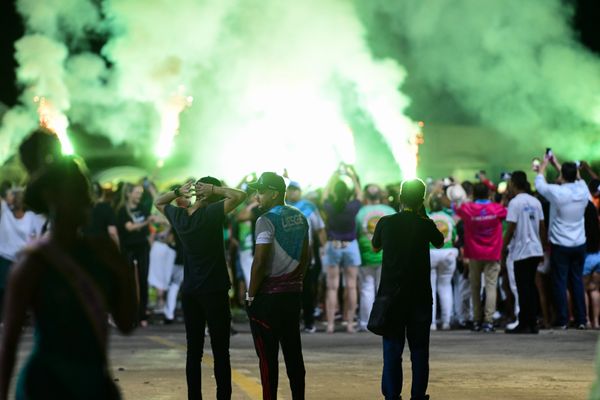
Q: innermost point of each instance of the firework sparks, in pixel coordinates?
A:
(169, 124)
(55, 121)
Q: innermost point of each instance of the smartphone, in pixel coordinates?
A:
(548, 152)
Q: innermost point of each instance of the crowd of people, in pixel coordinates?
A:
(515, 256)
(513, 253)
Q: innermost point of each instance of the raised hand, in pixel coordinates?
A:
(188, 189)
(204, 190)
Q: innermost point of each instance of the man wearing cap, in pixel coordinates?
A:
(316, 229)
(274, 297)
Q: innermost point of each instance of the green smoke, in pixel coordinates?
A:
(303, 85)
(271, 82)
(513, 66)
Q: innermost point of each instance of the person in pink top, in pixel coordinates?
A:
(482, 221)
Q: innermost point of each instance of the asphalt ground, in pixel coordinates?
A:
(150, 364)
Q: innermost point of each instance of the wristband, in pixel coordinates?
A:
(177, 192)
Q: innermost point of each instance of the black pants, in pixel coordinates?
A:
(309, 291)
(5, 266)
(414, 324)
(139, 258)
(199, 310)
(525, 271)
(274, 321)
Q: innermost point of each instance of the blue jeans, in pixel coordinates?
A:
(416, 330)
(567, 263)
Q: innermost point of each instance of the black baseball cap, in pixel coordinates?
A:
(269, 180)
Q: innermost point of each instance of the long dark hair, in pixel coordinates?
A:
(56, 181)
(341, 196)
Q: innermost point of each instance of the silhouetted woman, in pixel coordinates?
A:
(70, 284)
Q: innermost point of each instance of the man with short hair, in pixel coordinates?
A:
(404, 238)
(567, 237)
(316, 229)
(205, 287)
(523, 239)
(370, 270)
(274, 297)
(482, 221)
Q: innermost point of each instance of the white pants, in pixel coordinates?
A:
(443, 265)
(162, 258)
(463, 309)
(510, 268)
(246, 259)
(173, 290)
(369, 276)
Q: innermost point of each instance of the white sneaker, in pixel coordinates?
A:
(433, 327)
(512, 325)
(445, 327)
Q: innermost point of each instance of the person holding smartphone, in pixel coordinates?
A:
(568, 201)
(341, 252)
(404, 238)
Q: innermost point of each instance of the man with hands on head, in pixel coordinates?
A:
(205, 280)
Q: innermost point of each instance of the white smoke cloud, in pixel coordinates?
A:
(16, 123)
(41, 72)
(60, 19)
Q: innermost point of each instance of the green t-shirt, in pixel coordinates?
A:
(245, 235)
(366, 221)
(445, 224)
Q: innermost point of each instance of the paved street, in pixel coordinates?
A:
(464, 365)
